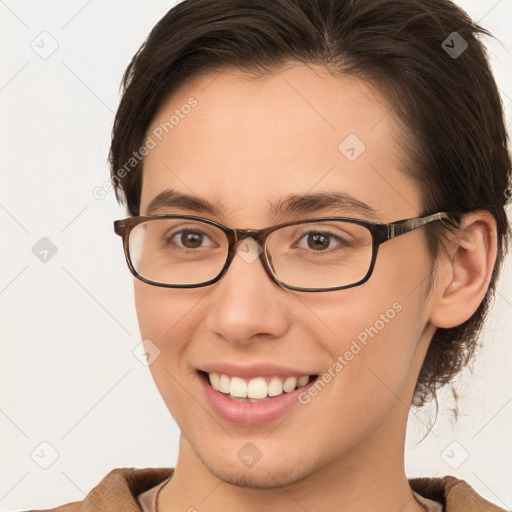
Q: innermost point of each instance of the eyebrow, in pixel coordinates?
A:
(293, 204)
(170, 198)
(341, 202)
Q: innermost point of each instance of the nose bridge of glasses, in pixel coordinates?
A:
(242, 234)
(250, 253)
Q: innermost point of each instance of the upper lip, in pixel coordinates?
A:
(254, 370)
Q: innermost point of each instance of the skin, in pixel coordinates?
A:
(248, 142)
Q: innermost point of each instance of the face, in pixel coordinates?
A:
(245, 145)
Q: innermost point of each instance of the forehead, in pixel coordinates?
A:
(247, 142)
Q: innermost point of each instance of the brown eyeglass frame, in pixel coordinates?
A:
(380, 233)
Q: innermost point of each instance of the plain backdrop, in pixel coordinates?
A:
(75, 401)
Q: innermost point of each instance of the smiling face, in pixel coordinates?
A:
(247, 147)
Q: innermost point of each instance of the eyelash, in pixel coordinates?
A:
(340, 241)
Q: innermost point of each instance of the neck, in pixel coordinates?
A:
(370, 476)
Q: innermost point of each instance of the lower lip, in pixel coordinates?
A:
(250, 414)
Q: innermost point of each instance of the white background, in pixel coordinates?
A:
(68, 375)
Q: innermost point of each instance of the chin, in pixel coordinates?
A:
(263, 475)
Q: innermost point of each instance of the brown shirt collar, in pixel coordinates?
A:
(119, 489)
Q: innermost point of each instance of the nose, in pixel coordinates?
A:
(246, 303)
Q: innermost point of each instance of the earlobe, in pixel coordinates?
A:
(465, 270)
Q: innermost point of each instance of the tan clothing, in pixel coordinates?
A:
(148, 499)
(121, 489)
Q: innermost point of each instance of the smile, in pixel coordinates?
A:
(256, 389)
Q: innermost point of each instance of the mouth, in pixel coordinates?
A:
(257, 389)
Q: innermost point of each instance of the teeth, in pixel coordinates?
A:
(238, 387)
(214, 380)
(275, 387)
(302, 381)
(290, 384)
(224, 383)
(255, 389)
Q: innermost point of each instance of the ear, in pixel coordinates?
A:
(465, 270)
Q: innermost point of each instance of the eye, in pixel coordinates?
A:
(321, 240)
(188, 239)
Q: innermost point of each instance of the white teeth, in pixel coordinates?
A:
(302, 381)
(290, 384)
(224, 383)
(214, 380)
(275, 387)
(238, 387)
(257, 388)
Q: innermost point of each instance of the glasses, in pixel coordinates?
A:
(311, 255)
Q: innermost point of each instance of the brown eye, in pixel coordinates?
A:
(191, 239)
(318, 241)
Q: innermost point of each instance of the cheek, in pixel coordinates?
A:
(162, 312)
(368, 365)
(150, 305)
(367, 331)
(374, 332)
(169, 318)
(159, 311)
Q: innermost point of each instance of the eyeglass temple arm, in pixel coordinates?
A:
(118, 228)
(405, 226)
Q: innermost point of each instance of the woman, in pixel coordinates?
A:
(316, 191)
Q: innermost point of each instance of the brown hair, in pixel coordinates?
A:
(448, 103)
